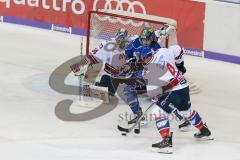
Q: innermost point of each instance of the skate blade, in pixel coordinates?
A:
(205, 138)
(185, 129)
(167, 150)
(143, 123)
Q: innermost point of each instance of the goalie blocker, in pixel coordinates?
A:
(91, 90)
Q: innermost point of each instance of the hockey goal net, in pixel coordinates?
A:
(103, 25)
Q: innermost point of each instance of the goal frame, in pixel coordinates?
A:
(125, 15)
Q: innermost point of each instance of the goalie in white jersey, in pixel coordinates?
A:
(168, 87)
(111, 55)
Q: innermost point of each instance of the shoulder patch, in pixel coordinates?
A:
(136, 43)
(101, 46)
(110, 46)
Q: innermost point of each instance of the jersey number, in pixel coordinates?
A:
(171, 69)
(95, 51)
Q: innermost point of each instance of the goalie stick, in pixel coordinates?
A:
(81, 77)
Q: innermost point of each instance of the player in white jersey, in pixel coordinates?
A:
(167, 85)
(111, 55)
(169, 33)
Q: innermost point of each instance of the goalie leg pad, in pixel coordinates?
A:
(106, 81)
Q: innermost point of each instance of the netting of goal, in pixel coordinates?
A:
(103, 25)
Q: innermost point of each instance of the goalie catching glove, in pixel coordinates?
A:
(165, 30)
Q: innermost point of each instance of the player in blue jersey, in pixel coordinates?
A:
(143, 44)
(138, 49)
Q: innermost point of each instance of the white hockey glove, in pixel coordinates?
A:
(79, 70)
(165, 30)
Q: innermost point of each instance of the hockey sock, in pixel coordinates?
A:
(134, 106)
(132, 100)
(176, 113)
(163, 126)
(195, 119)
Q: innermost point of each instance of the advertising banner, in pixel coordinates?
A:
(73, 13)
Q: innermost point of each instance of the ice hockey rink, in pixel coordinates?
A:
(30, 130)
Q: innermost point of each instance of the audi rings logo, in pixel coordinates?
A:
(119, 5)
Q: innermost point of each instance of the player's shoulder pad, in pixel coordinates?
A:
(176, 50)
(155, 45)
(102, 44)
(175, 47)
(161, 51)
(157, 33)
(133, 43)
(136, 43)
(132, 38)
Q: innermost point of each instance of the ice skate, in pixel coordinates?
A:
(204, 134)
(165, 146)
(135, 119)
(185, 126)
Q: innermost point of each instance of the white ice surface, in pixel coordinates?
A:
(29, 129)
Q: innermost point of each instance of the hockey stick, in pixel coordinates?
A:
(81, 77)
(137, 130)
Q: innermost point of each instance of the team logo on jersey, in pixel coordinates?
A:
(95, 50)
(183, 81)
(101, 46)
(161, 63)
(110, 46)
(121, 56)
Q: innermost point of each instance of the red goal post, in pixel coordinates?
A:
(103, 25)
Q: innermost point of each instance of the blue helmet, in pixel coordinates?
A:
(121, 34)
(121, 38)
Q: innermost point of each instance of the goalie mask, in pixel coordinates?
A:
(147, 36)
(121, 37)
